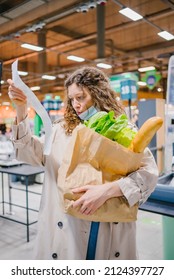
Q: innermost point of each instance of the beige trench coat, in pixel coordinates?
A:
(61, 236)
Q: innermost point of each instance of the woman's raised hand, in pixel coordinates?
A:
(16, 95)
(19, 99)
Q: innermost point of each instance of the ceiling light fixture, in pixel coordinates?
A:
(35, 27)
(48, 77)
(32, 47)
(61, 76)
(92, 4)
(140, 83)
(75, 58)
(166, 35)
(35, 88)
(22, 73)
(159, 89)
(5, 103)
(101, 2)
(130, 14)
(104, 65)
(145, 69)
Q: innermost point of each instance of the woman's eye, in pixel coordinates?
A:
(80, 98)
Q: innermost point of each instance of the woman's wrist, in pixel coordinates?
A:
(21, 112)
(113, 190)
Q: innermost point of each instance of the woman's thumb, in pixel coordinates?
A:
(10, 82)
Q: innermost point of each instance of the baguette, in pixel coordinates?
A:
(145, 134)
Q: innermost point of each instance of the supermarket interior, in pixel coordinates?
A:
(41, 44)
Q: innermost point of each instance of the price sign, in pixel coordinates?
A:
(128, 89)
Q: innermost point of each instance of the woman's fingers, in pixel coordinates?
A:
(17, 98)
(10, 82)
(80, 189)
(15, 94)
(90, 200)
(82, 206)
(87, 211)
(18, 102)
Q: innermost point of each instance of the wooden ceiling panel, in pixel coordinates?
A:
(144, 7)
(127, 43)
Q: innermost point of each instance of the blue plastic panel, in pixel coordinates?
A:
(163, 190)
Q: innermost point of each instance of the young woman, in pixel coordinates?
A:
(61, 236)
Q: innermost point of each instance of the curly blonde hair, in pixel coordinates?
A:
(98, 86)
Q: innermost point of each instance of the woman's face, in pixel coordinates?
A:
(80, 98)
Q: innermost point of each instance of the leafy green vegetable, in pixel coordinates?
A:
(119, 124)
(125, 136)
(105, 122)
(113, 128)
(93, 121)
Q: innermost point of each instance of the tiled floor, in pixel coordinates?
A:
(149, 236)
(13, 244)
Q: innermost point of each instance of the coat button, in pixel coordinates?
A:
(60, 224)
(54, 256)
(117, 254)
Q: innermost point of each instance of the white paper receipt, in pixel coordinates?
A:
(37, 106)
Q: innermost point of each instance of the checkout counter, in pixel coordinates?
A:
(161, 201)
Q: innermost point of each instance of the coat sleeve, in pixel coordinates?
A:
(28, 147)
(138, 185)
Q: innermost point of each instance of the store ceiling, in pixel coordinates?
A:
(101, 34)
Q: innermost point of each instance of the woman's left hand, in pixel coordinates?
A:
(95, 196)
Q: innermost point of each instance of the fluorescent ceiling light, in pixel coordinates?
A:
(35, 88)
(140, 83)
(143, 99)
(166, 35)
(75, 58)
(48, 77)
(145, 69)
(32, 47)
(130, 14)
(104, 65)
(6, 103)
(22, 73)
(61, 76)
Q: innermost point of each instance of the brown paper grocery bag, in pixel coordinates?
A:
(94, 159)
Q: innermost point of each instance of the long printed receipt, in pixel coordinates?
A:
(37, 106)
